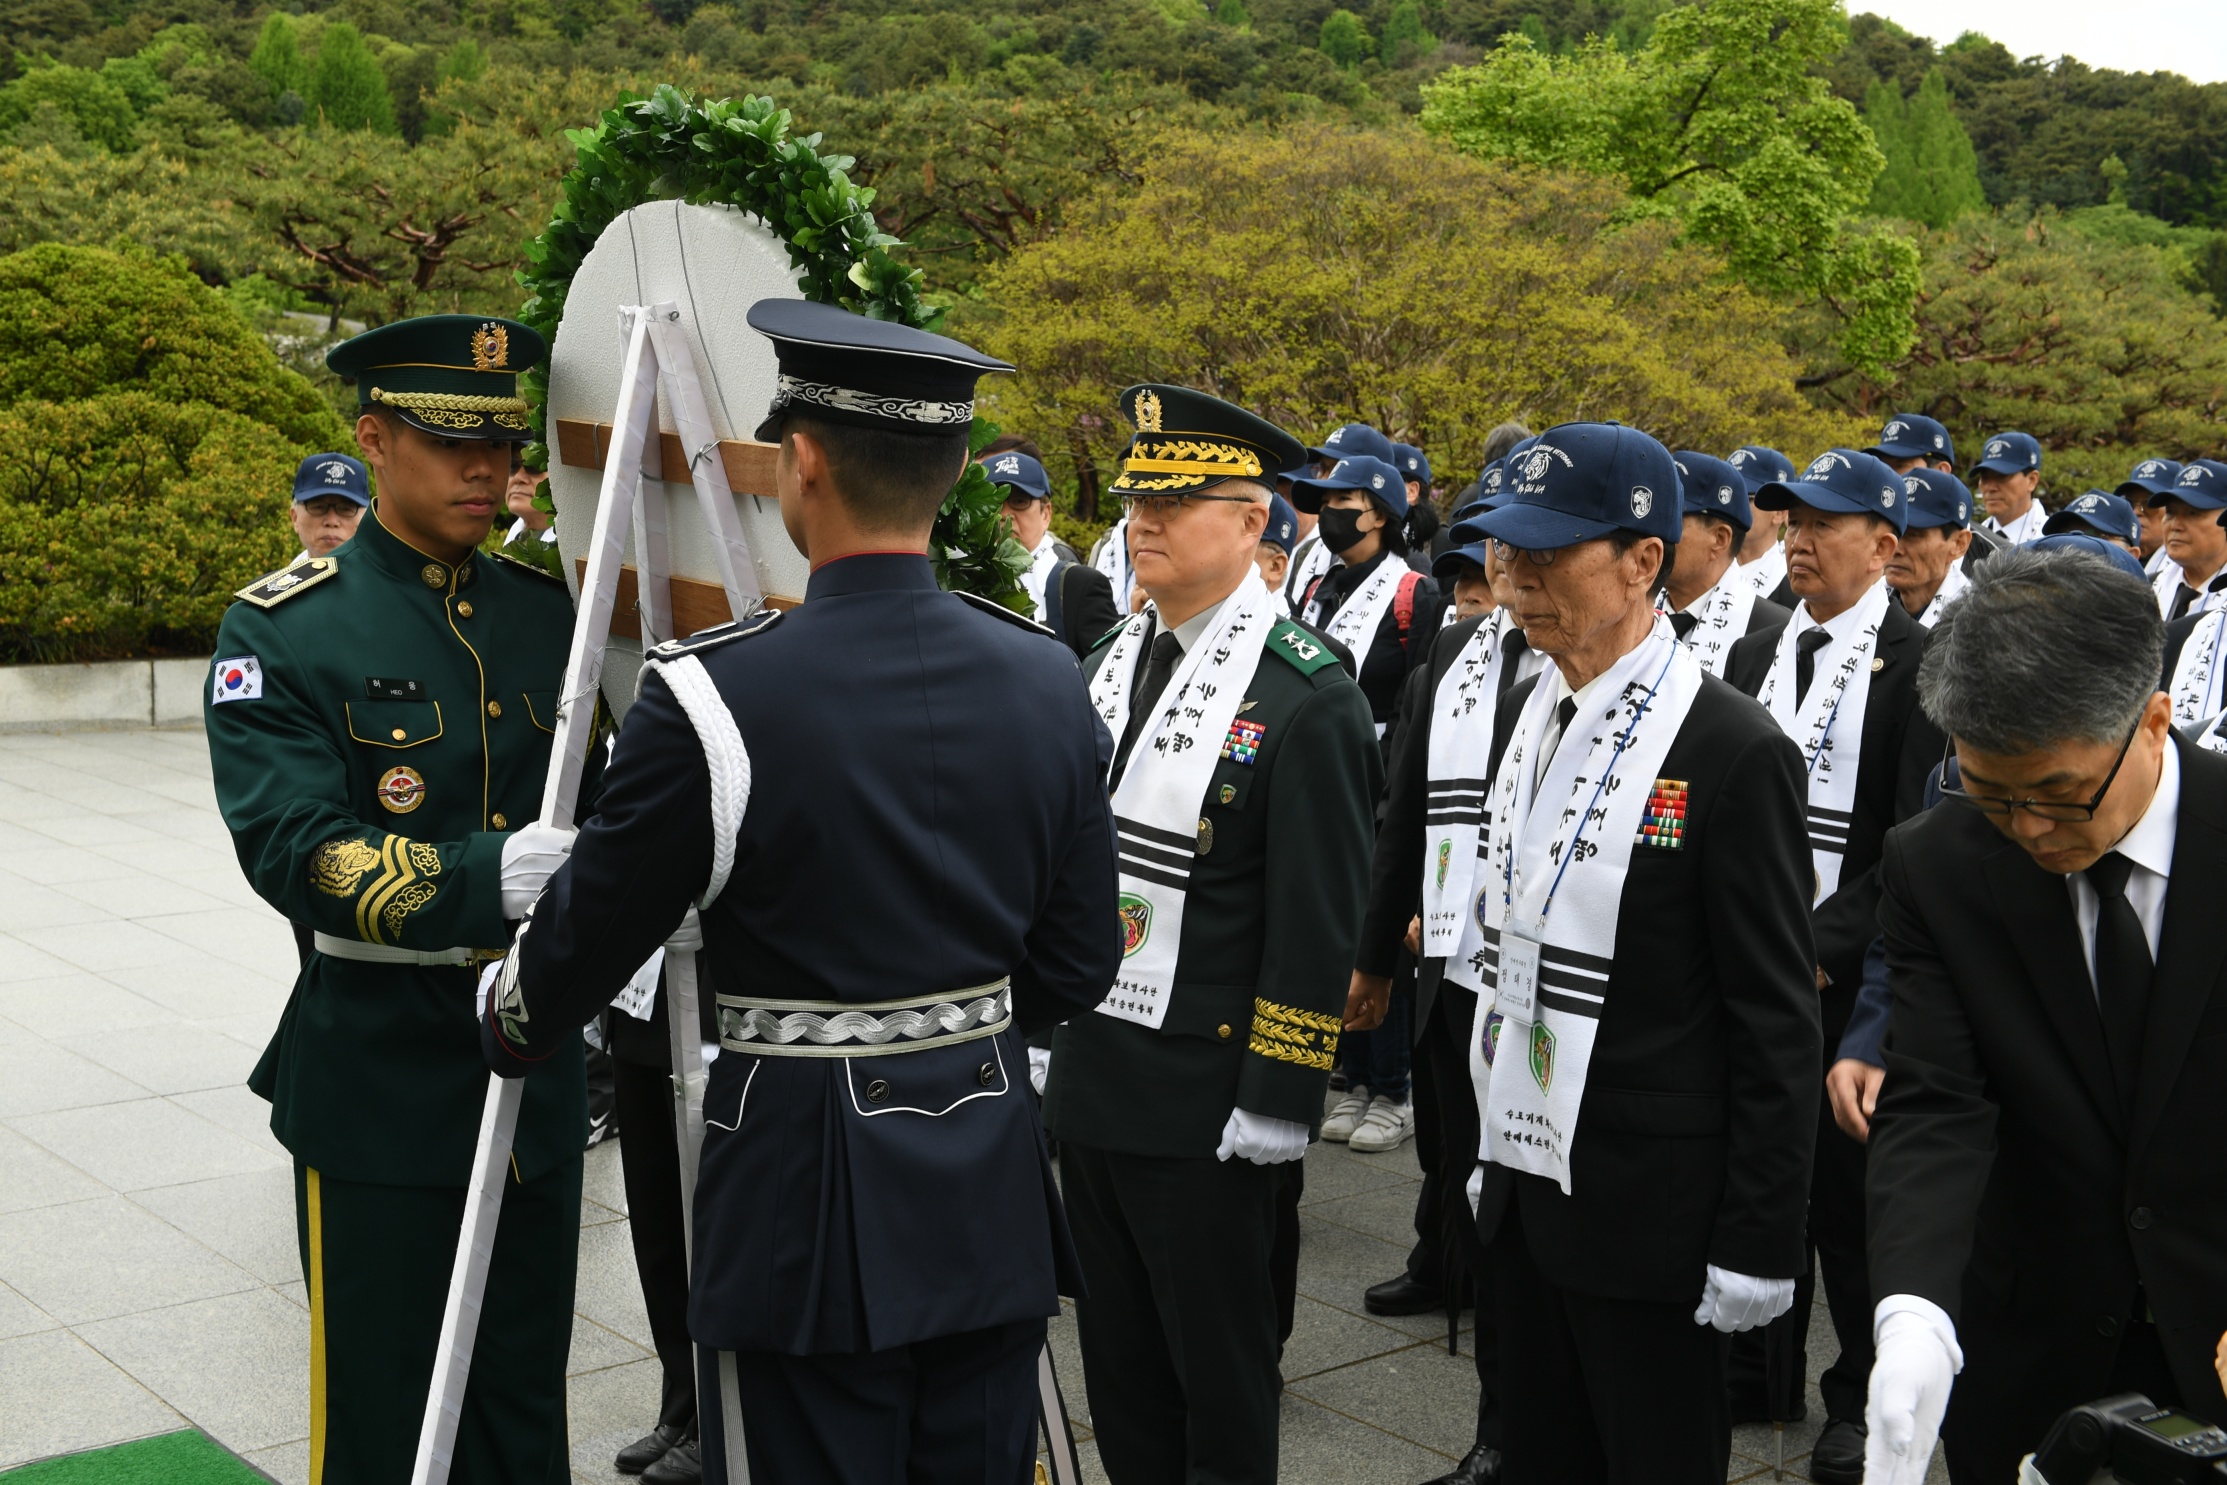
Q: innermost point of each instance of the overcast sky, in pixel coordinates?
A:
(2184, 36)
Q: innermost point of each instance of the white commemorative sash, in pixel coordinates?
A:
(1553, 889)
(2199, 680)
(1721, 616)
(1455, 817)
(2211, 737)
(1766, 572)
(1828, 726)
(1952, 586)
(1355, 624)
(1041, 563)
(1156, 806)
(1113, 561)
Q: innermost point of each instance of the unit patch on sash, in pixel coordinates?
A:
(1663, 822)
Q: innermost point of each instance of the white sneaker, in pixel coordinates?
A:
(1386, 1126)
(1339, 1123)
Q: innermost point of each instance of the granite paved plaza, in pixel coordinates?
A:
(148, 1271)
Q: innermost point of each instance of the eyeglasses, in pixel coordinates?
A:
(1160, 507)
(1021, 500)
(1543, 557)
(2040, 809)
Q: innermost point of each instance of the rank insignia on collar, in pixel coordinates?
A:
(1243, 743)
(1663, 822)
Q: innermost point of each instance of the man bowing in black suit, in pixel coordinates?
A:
(1646, 1058)
(2047, 1157)
(1842, 680)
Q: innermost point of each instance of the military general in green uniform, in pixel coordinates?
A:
(379, 724)
(1245, 773)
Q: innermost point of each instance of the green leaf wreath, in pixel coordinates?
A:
(739, 152)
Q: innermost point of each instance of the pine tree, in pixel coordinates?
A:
(347, 88)
(1933, 173)
(277, 55)
(1233, 14)
(1344, 40)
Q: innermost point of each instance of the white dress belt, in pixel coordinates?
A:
(363, 953)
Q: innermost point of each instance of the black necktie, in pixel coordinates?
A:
(2181, 601)
(1683, 624)
(1167, 651)
(1806, 646)
(2123, 970)
(1564, 713)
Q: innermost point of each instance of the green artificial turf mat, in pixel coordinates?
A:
(188, 1457)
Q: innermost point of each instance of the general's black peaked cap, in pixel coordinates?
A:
(1187, 441)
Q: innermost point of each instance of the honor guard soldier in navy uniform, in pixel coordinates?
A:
(1243, 782)
(379, 724)
(878, 1240)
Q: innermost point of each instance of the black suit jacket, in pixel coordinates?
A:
(1695, 1137)
(2176, 639)
(2005, 1184)
(1079, 606)
(1766, 617)
(1900, 747)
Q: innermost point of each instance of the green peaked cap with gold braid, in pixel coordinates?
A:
(1187, 441)
(453, 376)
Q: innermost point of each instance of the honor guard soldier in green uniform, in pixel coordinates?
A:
(379, 725)
(1245, 772)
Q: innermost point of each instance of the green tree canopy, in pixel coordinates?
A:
(1343, 39)
(80, 322)
(347, 88)
(1320, 275)
(278, 56)
(1719, 124)
(1933, 173)
(99, 110)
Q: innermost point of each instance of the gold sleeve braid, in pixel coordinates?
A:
(344, 868)
(1288, 1034)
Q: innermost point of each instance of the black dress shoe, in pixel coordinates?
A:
(683, 1464)
(648, 1449)
(1837, 1458)
(1402, 1296)
(1480, 1466)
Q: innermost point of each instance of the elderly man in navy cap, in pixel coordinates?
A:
(1273, 556)
(1073, 600)
(1710, 604)
(1841, 680)
(2098, 513)
(330, 494)
(1914, 441)
(1762, 558)
(2008, 477)
(2148, 478)
(1646, 1002)
(1928, 568)
(2193, 577)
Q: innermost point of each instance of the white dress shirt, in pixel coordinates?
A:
(1586, 695)
(1841, 627)
(1042, 560)
(2149, 845)
(2023, 530)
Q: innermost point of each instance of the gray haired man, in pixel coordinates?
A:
(2048, 1136)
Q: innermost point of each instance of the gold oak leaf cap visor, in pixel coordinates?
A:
(844, 368)
(453, 376)
(1187, 441)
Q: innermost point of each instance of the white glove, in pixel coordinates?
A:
(1916, 1359)
(1039, 1068)
(1735, 1302)
(689, 937)
(531, 857)
(1476, 1190)
(1260, 1139)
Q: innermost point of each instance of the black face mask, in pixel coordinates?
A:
(1340, 528)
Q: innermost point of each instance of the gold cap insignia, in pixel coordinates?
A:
(434, 576)
(1147, 416)
(490, 347)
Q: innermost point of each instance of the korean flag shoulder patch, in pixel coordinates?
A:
(239, 679)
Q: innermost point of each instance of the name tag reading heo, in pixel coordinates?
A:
(1517, 995)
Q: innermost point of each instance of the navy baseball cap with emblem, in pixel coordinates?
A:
(1935, 497)
(2097, 510)
(837, 367)
(1017, 471)
(2150, 477)
(2201, 483)
(1913, 436)
(1582, 481)
(2009, 453)
(1187, 441)
(1282, 529)
(1411, 464)
(1760, 464)
(1845, 480)
(1712, 487)
(332, 474)
(1375, 478)
(453, 376)
(2094, 546)
(1456, 560)
(1352, 439)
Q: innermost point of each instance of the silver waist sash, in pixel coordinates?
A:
(877, 1028)
(363, 953)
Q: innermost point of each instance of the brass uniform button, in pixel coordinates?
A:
(988, 1074)
(434, 575)
(877, 1091)
(1206, 836)
(1222, 1031)
(400, 734)
(500, 822)
(494, 708)
(464, 610)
